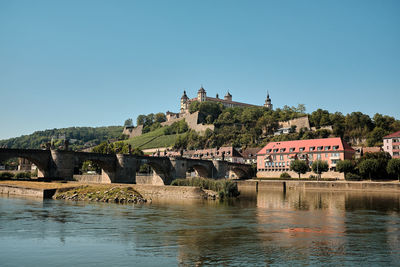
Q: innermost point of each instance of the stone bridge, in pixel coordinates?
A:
(122, 168)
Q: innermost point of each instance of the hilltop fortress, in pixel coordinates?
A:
(193, 119)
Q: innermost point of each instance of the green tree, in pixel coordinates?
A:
(299, 166)
(160, 117)
(393, 167)
(375, 138)
(368, 167)
(320, 166)
(128, 122)
(345, 166)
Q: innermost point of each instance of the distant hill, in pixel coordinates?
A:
(80, 137)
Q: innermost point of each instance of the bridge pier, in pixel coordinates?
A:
(221, 169)
(125, 169)
(61, 166)
(179, 168)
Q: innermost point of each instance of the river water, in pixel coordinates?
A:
(258, 229)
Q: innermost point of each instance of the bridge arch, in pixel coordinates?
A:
(105, 162)
(161, 167)
(240, 172)
(41, 158)
(202, 171)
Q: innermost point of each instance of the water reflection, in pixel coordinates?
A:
(260, 228)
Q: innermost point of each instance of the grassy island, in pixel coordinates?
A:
(101, 194)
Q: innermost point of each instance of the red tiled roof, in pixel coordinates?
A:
(250, 152)
(297, 144)
(392, 135)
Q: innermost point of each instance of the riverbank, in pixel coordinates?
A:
(148, 192)
(366, 186)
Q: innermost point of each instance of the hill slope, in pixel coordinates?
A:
(153, 139)
(81, 137)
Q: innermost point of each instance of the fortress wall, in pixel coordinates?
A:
(192, 121)
(132, 132)
(302, 122)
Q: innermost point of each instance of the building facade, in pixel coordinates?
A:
(391, 144)
(277, 156)
(226, 101)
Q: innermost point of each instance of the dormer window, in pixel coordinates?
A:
(276, 150)
(282, 149)
(335, 147)
(269, 150)
(301, 149)
(320, 148)
(291, 149)
(312, 148)
(327, 147)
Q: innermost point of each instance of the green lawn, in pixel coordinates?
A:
(153, 139)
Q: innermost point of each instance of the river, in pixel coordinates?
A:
(258, 229)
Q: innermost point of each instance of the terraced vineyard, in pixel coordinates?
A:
(153, 139)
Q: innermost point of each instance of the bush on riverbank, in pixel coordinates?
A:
(22, 175)
(6, 175)
(224, 188)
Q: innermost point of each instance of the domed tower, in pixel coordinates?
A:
(228, 96)
(201, 94)
(184, 102)
(268, 104)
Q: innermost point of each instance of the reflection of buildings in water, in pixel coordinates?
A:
(312, 223)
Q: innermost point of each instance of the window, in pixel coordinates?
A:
(274, 157)
(283, 164)
(276, 150)
(319, 148)
(312, 148)
(310, 156)
(335, 147)
(268, 150)
(319, 156)
(326, 155)
(291, 149)
(281, 157)
(283, 149)
(327, 148)
(301, 149)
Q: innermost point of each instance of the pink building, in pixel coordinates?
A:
(277, 156)
(391, 144)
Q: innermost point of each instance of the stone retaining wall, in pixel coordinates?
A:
(277, 174)
(31, 192)
(321, 185)
(87, 178)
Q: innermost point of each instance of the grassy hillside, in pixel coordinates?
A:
(153, 139)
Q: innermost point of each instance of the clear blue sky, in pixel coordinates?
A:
(97, 63)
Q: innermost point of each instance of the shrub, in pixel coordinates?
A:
(353, 177)
(22, 175)
(6, 175)
(285, 175)
(224, 188)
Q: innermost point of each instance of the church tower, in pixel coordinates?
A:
(228, 96)
(201, 94)
(184, 102)
(268, 103)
